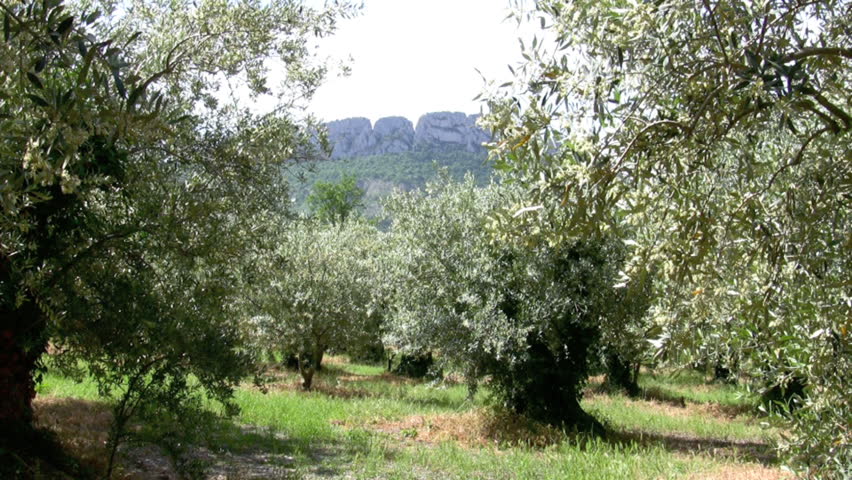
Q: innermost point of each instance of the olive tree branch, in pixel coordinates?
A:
(797, 159)
(817, 52)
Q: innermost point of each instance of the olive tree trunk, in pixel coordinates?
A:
(622, 375)
(21, 346)
(309, 364)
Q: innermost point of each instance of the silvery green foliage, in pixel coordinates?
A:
(448, 280)
(129, 195)
(316, 288)
(714, 135)
(526, 314)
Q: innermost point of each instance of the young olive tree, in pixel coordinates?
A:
(127, 194)
(317, 292)
(714, 134)
(524, 312)
(444, 278)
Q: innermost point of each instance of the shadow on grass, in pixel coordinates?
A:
(244, 451)
(672, 398)
(501, 428)
(762, 453)
(483, 427)
(204, 446)
(756, 451)
(80, 426)
(336, 382)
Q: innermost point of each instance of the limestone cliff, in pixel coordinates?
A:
(393, 135)
(351, 137)
(449, 130)
(442, 131)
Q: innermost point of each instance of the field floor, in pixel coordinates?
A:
(360, 422)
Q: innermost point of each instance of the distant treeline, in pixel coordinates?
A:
(379, 175)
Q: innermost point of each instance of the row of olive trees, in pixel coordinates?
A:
(711, 140)
(134, 200)
(529, 315)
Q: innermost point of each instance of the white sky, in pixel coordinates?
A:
(411, 57)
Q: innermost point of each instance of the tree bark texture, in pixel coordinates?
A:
(21, 346)
(309, 364)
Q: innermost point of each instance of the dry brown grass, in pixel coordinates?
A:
(336, 390)
(335, 360)
(293, 383)
(744, 471)
(332, 381)
(385, 377)
(487, 428)
(476, 428)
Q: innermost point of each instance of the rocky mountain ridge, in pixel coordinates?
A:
(443, 131)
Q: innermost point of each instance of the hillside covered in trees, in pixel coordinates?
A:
(395, 155)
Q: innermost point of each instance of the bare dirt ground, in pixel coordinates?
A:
(83, 429)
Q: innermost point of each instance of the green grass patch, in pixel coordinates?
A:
(694, 386)
(623, 414)
(592, 460)
(354, 425)
(57, 385)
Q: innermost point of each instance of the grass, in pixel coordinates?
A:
(595, 460)
(695, 387)
(361, 422)
(58, 386)
(698, 420)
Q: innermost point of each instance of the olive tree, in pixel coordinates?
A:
(524, 312)
(443, 278)
(715, 135)
(316, 291)
(128, 194)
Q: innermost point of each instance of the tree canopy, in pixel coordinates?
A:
(527, 315)
(335, 202)
(128, 191)
(315, 291)
(714, 135)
